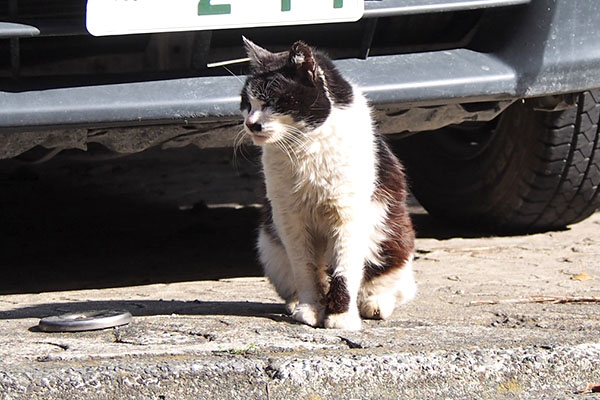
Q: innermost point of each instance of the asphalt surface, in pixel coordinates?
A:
(168, 236)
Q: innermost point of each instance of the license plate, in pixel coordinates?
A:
(121, 17)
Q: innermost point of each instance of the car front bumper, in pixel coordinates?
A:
(553, 48)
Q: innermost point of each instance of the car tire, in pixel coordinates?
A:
(528, 170)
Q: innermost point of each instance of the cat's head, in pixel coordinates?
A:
(289, 93)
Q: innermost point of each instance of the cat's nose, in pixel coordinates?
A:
(254, 127)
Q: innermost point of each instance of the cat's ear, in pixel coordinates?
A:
(301, 56)
(261, 60)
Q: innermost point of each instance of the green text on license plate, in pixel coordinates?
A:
(120, 17)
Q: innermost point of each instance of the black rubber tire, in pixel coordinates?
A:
(531, 170)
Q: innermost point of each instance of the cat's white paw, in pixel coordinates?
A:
(378, 307)
(290, 306)
(306, 314)
(349, 321)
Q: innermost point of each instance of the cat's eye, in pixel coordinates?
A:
(270, 103)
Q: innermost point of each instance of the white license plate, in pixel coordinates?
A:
(121, 17)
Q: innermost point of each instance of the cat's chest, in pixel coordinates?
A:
(322, 176)
(311, 180)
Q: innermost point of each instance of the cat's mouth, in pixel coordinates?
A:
(260, 137)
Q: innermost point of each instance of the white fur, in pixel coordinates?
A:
(349, 321)
(321, 190)
(277, 267)
(378, 297)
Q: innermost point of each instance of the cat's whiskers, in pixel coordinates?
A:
(293, 155)
(236, 147)
(238, 142)
(281, 145)
(292, 128)
(292, 140)
(232, 74)
(292, 137)
(239, 138)
(300, 138)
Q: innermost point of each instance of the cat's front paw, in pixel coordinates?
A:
(290, 306)
(307, 314)
(349, 321)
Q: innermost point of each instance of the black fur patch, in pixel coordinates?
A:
(392, 189)
(339, 89)
(266, 220)
(338, 298)
(244, 103)
(266, 216)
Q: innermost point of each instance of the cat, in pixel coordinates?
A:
(336, 240)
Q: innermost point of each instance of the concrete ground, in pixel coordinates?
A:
(168, 236)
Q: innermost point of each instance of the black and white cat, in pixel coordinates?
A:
(336, 239)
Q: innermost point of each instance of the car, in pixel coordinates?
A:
(493, 105)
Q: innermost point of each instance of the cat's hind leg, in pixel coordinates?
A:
(379, 295)
(277, 268)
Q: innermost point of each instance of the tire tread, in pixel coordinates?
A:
(540, 171)
(571, 201)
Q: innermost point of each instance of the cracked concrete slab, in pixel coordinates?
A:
(231, 338)
(221, 332)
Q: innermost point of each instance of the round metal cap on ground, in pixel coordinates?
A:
(85, 321)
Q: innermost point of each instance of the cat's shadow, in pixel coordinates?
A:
(145, 308)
